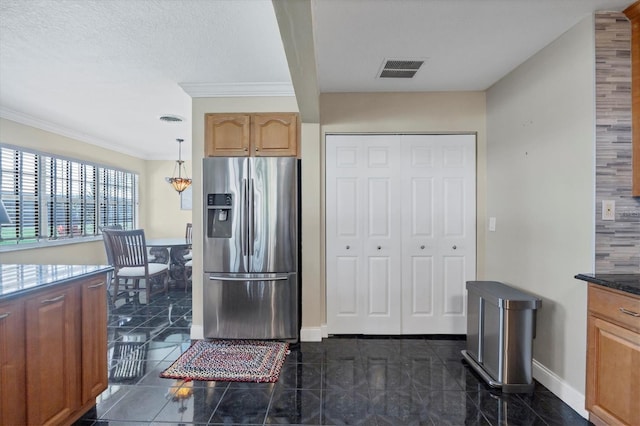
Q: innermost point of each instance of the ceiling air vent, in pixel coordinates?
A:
(396, 68)
(171, 118)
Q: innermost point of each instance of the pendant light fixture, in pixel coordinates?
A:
(181, 181)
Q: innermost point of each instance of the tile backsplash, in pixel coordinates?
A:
(617, 241)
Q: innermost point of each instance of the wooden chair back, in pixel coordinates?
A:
(189, 233)
(129, 248)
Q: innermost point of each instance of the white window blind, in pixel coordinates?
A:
(52, 198)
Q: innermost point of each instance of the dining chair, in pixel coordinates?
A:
(188, 273)
(131, 262)
(188, 235)
(188, 266)
(109, 251)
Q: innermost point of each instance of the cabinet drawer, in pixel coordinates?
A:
(616, 306)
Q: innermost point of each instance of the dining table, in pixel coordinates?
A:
(170, 251)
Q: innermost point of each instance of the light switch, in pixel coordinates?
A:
(492, 224)
(608, 210)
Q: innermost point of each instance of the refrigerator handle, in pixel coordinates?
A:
(252, 217)
(247, 279)
(244, 217)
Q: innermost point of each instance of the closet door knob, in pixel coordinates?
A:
(379, 247)
(348, 247)
(454, 247)
(421, 247)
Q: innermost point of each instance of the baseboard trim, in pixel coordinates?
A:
(311, 334)
(572, 397)
(197, 332)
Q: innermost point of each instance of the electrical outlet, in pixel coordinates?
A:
(608, 210)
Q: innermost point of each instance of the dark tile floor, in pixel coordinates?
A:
(342, 380)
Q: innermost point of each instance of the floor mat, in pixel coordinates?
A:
(230, 360)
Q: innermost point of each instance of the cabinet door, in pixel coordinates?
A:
(52, 330)
(227, 135)
(12, 373)
(613, 378)
(94, 338)
(274, 135)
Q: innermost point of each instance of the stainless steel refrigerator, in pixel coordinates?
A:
(251, 248)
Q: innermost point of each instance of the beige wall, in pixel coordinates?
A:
(160, 212)
(313, 307)
(411, 112)
(201, 106)
(540, 162)
(164, 216)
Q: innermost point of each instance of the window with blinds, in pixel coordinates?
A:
(53, 198)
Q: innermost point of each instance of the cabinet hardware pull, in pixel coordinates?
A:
(96, 285)
(628, 312)
(348, 247)
(379, 247)
(454, 247)
(55, 299)
(3, 316)
(421, 247)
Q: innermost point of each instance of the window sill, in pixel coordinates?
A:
(45, 244)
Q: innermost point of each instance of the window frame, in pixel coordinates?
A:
(72, 198)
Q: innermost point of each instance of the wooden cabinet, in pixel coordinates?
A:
(52, 334)
(613, 357)
(12, 355)
(633, 13)
(53, 353)
(242, 135)
(94, 337)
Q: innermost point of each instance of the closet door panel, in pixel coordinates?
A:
(421, 295)
(347, 290)
(382, 248)
(438, 172)
(401, 223)
(379, 287)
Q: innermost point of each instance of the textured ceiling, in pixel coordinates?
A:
(104, 71)
(466, 44)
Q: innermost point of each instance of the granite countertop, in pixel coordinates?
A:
(17, 280)
(629, 283)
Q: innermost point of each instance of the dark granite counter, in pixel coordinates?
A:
(629, 283)
(17, 280)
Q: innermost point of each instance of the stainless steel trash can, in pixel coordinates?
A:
(501, 326)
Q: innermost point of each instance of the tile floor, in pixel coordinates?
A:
(342, 380)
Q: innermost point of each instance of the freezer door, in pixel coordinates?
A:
(225, 209)
(251, 306)
(273, 221)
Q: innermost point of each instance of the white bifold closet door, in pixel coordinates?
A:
(400, 234)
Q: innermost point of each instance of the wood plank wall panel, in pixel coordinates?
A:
(617, 242)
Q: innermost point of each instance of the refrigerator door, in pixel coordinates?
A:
(251, 306)
(273, 203)
(225, 204)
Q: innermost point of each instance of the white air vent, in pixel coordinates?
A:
(400, 68)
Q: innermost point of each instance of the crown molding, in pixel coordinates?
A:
(224, 90)
(48, 126)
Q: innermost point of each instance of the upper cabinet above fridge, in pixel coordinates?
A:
(251, 135)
